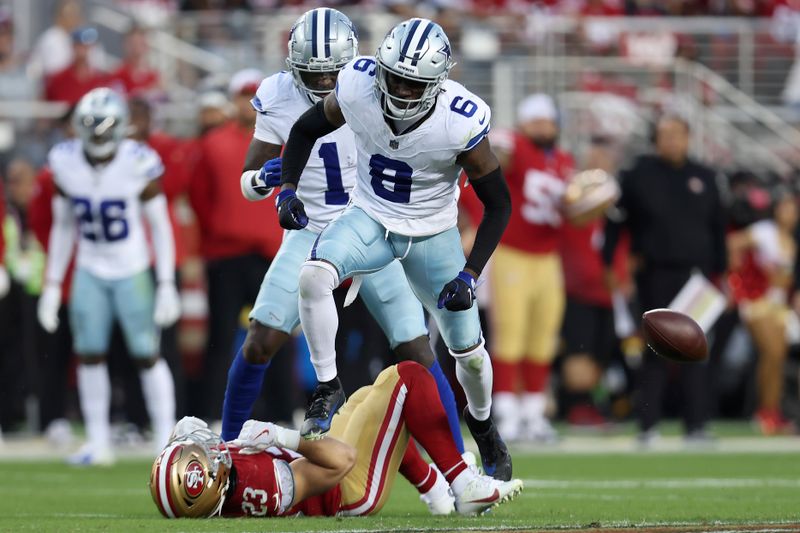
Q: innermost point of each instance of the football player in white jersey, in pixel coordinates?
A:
(415, 131)
(321, 42)
(106, 185)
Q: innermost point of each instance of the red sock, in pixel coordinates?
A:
(505, 375)
(426, 420)
(416, 470)
(536, 376)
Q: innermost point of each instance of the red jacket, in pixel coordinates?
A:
(68, 86)
(40, 218)
(231, 226)
(175, 182)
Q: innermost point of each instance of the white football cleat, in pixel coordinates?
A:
(88, 456)
(439, 499)
(541, 431)
(482, 493)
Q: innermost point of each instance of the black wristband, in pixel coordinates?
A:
(311, 125)
(492, 190)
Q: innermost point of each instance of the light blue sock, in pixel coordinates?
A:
(449, 402)
(244, 386)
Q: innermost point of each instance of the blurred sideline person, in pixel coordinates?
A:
(672, 209)
(325, 190)
(270, 471)
(588, 331)
(239, 238)
(81, 76)
(526, 279)
(175, 182)
(415, 131)
(106, 185)
(20, 335)
(762, 260)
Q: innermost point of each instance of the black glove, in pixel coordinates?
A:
(291, 212)
(459, 294)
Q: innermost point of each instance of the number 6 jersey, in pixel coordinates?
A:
(330, 173)
(408, 182)
(105, 200)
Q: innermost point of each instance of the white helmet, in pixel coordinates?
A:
(101, 121)
(322, 40)
(417, 50)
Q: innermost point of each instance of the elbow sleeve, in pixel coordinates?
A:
(311, 125)
(493, 192)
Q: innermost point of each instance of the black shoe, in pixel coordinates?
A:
(495, 459)
(325, 402)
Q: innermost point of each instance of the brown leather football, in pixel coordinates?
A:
(675, 336)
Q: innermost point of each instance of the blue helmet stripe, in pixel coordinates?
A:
(409, 38)
(421, 43)
(314, 33)
(327, 33)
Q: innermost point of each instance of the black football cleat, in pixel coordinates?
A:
(495, 459)
(325, 402)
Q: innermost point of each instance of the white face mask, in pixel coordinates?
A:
(102, 150)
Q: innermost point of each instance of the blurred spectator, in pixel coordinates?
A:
(762, 260)
(526, 279)
(55, 350)
(671, 206)
(80, 77)
(589, 334)
(175, 184)
(24, 260)
(135, 76)
(14, 82)
(214, 111)
(53, 51)
(239, 238)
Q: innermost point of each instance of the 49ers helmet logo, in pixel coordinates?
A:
(194, 479)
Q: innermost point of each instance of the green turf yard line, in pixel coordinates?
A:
(564, 492)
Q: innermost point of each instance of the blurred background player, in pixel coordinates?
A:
(526, 280)
(669, 248)
(239, 238)
(762, 258)
(350, 472)
(106, 185)
(404, 112)
(325, 190)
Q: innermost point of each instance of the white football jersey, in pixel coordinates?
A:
(105, 199)
(408, 182)
(330, 173)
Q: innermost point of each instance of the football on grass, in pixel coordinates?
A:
(675, 336)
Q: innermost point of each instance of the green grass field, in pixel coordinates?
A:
(563, 491)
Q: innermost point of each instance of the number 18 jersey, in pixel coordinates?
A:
(105, 200)
(330, 173)
(408, 182)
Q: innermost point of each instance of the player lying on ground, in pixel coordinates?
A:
(328, 179)
(415, 131)
(271, 471)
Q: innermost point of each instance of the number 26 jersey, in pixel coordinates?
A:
(106, 205)
(408, 182)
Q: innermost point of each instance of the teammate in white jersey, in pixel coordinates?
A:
(106, 186)
(415, 131)
(321, 42)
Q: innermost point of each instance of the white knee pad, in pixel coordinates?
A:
(317, 279)
(473, 360)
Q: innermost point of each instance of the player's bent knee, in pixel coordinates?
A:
(143, 363)
(417, 350)
(262, 343)
(317, 279)
(92, 359)
(473, 358)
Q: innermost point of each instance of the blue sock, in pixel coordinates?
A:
(244, 386)
(449, 402)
